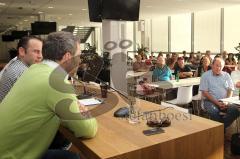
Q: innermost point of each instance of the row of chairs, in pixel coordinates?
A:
(184, 98)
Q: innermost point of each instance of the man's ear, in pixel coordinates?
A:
(21, 51)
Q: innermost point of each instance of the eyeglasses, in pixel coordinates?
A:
(165, 122)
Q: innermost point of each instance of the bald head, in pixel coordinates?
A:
(160, 61)
(217, 66)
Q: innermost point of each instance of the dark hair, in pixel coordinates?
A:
(231, 54)
(180, 58)
(23, 42)
(57, 44)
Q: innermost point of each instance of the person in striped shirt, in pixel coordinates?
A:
(29, 52)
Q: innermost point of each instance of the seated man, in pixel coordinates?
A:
(40, 100)
(29, 52)
(215, 85)
(139, 65)
(162, 72)
(235, 75)
(183, 70)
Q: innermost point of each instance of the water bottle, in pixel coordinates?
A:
(177, 76)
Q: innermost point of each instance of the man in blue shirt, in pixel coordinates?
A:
(215, 85)
(162, 72)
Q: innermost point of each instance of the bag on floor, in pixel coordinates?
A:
(235, 144)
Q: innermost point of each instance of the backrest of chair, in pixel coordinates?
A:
(184, 95)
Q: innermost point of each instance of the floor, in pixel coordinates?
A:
(227, 143)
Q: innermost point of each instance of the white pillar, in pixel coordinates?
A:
(113, 32)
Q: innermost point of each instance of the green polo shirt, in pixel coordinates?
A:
(28, 114)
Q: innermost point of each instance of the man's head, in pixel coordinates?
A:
(30, 50)
(184, 53)
(208, 53)
(63, 48)
(160, 61)
(180, 62)
(224, 54)
(217, 66)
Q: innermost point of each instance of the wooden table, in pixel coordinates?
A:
(189, 137)
(174, 84)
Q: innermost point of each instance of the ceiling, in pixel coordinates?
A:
(20, 13)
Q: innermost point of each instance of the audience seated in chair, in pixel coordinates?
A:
(162, 72)
(215, 85)
(183, 70)
(139, 65)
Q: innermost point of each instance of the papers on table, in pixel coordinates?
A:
(234, 100)
(90, 101)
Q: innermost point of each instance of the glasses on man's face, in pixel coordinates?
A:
(165, 122)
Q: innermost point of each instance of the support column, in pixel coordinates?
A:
(169, 34)
(192, 32)
(222, 31)
(114, 32)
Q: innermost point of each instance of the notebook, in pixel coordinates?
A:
(90, 101)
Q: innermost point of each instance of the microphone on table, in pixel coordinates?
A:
(121, 112)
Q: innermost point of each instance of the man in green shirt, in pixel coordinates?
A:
(31, 113)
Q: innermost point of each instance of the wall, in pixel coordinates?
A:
(206, 34)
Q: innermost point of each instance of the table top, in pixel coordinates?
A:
(233, 100)
(116, 136)
(131, 74)
(175, 84)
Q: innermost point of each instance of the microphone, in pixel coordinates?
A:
(121, 112)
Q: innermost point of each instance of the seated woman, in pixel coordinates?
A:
(204, 66)
(139, 65)
(230, 63)
(162, 72)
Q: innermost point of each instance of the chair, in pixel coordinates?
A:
(164, 104)
(184, 96)
(197, 104)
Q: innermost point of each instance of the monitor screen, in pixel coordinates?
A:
(19, 34)
(121, 10)
(42, 28)
(7, 38)
(95, 10)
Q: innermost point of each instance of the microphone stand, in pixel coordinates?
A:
(121, 112)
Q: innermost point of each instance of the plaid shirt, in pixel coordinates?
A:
(10, 76)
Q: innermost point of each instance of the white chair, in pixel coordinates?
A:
(164, 104)
(197, 103)
(184, 96)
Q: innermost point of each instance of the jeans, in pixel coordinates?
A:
(60, 154)
(232, 113)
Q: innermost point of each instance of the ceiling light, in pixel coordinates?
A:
(84, 9)
(2, 4)
(25, 20)
(40, 12)
(70, 14)
(50, 7)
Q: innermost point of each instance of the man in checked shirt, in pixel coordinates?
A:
(29, 52)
